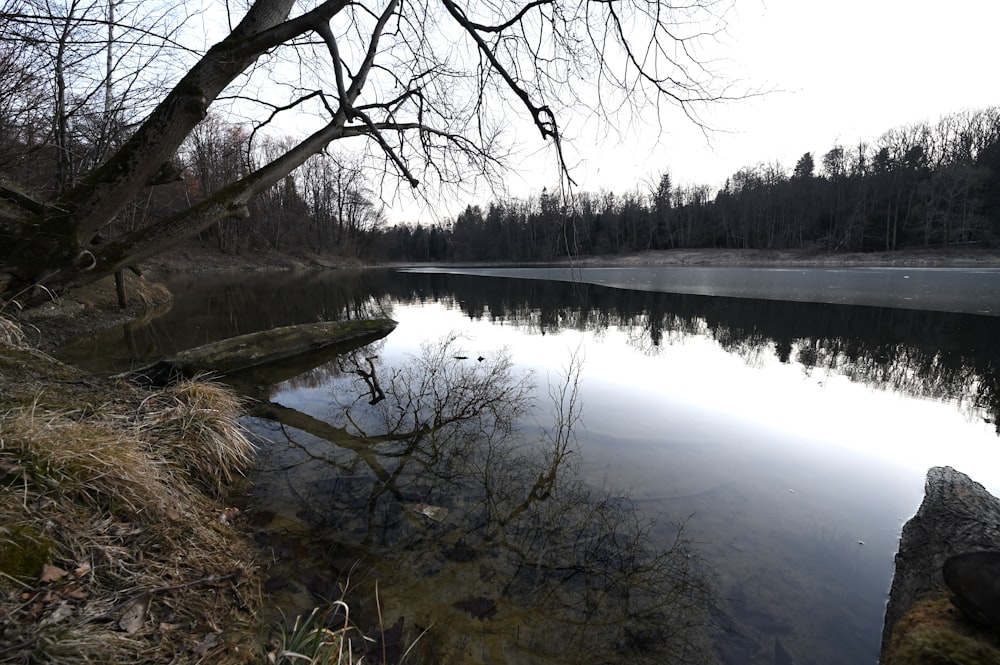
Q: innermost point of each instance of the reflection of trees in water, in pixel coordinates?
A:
(919, 353)
(342, 366)
(208, 307)
(486, 533)
(927, 354)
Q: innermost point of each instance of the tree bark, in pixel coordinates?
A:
(53, 246)
(255, 349)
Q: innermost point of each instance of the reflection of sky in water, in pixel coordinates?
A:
(796, 482)
(783, 470)
(692, 389)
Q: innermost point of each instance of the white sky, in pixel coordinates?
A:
(841, 72)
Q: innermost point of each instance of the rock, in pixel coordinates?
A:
(956, 516)
(974, 581)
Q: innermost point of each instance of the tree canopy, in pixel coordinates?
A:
(423, 89)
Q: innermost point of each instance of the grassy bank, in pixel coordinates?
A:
(115, 541)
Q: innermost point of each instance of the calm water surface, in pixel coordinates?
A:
(790, 438)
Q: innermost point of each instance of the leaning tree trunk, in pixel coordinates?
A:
(54, 244)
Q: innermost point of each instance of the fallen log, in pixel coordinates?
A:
(922, 623)
(243, 352)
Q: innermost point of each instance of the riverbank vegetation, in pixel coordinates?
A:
(115, 536)
(119, 540)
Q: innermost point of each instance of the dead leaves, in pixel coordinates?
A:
(228, 515)
(51, 574)
(58, 595)
(59, 584)
(132, 615)
(207, 643)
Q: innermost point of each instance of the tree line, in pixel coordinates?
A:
(127, 127)
(121, 136)
(922, 185)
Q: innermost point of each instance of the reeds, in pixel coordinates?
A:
(11, 335)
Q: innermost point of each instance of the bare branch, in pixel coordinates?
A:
(542, 116)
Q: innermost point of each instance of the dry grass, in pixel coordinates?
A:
(111, 546)
(11, 335)
(312, 640)
(199, 418)
(935, 631)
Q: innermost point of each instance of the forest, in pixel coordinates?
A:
(921, 185)
(91, 182)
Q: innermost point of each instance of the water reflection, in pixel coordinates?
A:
(919, 353)
(491, 539)
(793, 432)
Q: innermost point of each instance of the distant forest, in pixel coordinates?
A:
(922, 185)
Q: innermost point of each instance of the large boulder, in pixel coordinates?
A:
(922, 625)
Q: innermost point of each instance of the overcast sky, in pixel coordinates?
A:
(840, 72)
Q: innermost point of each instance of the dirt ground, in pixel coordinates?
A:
(95, 306)
(196, 257)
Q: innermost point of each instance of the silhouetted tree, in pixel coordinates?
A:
(388, 74)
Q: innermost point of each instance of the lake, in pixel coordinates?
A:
(544, 465)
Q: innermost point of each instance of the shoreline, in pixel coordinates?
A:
(192, 257)
(94, 307)
(806, 258)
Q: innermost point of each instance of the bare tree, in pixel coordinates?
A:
(424, 86)
(429, 469)
(97, 66)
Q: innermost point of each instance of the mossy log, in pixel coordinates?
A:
(236, 354)
(922, 625)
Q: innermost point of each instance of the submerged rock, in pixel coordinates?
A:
(957, 516)
(478, 607)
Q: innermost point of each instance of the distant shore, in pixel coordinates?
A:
(94, 307)
(927, 258)
(196, 258)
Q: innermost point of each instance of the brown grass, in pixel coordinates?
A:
(111, 546)
(934, 631)
(199, 418)
(11, 335)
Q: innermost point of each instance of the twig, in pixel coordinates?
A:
(211, 579)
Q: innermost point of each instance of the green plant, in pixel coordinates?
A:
(312, 640)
